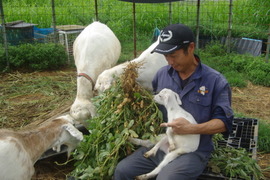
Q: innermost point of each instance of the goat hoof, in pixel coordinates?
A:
(141, 177)
(171, 148)
(146, 155)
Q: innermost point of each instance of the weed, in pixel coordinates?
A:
(263, 137)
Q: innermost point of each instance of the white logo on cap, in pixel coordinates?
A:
(165, 36)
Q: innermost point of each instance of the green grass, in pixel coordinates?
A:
(263, 137)
(237, 68)
(250, 17)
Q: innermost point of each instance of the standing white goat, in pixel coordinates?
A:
(178, 144)
(95, 49)
(19, 150)
(151, 62)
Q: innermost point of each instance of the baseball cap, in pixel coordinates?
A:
(173, 37)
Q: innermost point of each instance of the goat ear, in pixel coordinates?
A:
(73, 131)
(166, 98)
(178, 99)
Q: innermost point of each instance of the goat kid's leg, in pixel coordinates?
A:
(153, 151)
(141, 177)
(169, 133)
(140, 142)
(167, 159)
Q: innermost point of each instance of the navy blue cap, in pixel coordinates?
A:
(173, 37)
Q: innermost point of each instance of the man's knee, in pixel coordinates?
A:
(121, 171)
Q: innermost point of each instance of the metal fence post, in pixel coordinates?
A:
(198, 24)
(170, 13)
(134, 30)
(267, 47)
(229, 36)
(54, 22)
(96, 10)
(4, 33)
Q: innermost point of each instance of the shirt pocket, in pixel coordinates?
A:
(202, 100)
(200, 107)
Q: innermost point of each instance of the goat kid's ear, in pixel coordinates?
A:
(73, 131)
(166, 98)
(178, 99)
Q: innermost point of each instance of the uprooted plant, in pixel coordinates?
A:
(125, 110)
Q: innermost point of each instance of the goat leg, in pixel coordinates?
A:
(170, 135)
(153, 151)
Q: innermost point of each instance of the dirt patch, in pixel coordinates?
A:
(264, 162)
(23, 101)
(53, 168)
(252, 101)
(30, 97)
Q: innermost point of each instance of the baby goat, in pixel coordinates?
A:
(21, 149)
(178, 144)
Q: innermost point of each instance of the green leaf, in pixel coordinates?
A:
(133, 133)
(131, 123)
(152, 128)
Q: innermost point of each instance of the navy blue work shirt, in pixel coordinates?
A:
(207, 95)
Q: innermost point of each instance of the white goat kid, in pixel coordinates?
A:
(151, 62)
(21, 149)
(95, 49)
(178, 144)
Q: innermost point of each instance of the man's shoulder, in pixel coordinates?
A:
(209, 69)
(211, 73)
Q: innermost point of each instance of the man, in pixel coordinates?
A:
(204, 93)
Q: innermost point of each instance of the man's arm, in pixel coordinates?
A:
(182, 126)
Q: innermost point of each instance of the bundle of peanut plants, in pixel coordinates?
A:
(233, 163)
(125, 110)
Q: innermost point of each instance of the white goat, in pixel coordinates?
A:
(151, 63)
(178, 144)
(95, 49)
(21, 149)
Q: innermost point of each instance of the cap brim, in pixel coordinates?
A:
(165, 48)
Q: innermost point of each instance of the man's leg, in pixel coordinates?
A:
(185, 167)
(136, 164)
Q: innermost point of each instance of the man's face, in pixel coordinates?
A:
(180, 60)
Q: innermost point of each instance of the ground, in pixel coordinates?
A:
(24, 108)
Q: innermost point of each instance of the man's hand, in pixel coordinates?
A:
(179, 126)
(183, 126)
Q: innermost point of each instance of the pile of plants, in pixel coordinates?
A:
(125, 110)
(233, 162)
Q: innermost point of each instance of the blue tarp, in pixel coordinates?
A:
(42, 32)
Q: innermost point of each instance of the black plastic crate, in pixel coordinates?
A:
(244, 135)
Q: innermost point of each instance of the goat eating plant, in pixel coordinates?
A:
(178, 144)
(95, 49)
(150, 64)
(21, 149)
